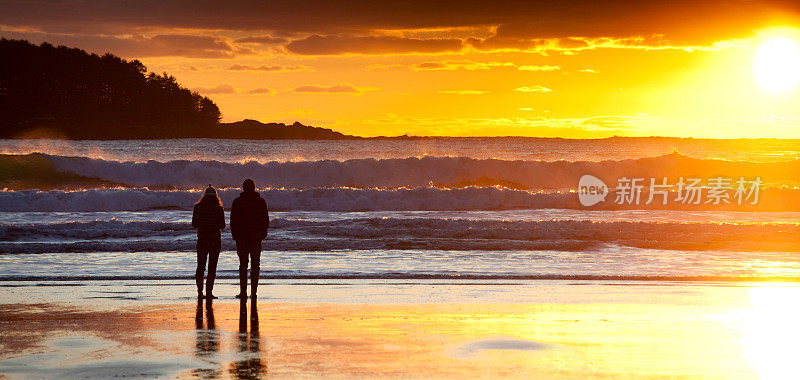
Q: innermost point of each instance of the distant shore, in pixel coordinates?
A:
(249, 129)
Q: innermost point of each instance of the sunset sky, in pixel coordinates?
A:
(573, 69)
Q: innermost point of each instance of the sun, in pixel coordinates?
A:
(777, 65)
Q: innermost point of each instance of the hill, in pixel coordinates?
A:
(252, 129)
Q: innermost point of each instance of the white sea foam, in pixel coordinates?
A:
(353, 199)
(412, 172)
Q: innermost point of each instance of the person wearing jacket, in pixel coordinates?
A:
(249, 225)
(209, 220)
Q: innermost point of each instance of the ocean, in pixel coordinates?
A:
(445, 208)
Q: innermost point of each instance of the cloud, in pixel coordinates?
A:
(339, 88)
(270, 68)
(220, 89)
(262, 40)
(445, 65)
(262, 90)
(432, 66)
(458, 64)
(464, 92)
(320, 27)
(380, 66)
(607, 122)
(499, 42)
(587, 71)
(519, 24)
(596, 127)
(162, 45)
(539, 68)
(541, 45)
(371, 45)
(228, 89)
(185, 45)
(537, 88)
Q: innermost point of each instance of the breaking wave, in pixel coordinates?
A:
(442, 172)
(408, 234)
(323, 199)
(353, 199)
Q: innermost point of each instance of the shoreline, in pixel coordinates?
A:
(422, 277)
(387, 291)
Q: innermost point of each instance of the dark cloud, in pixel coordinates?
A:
(333, 89)
(517, 43)
(349, 26)
(137, 46)
(336, 44)
(182, 45)
(680, 23)
(282, 17)
(269, 68)
(262, 40)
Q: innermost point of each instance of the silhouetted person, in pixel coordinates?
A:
(209, 219)
(249, 224)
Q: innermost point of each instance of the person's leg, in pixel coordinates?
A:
(255, 266)
(202, 254)
(213, 258)
(241, 251)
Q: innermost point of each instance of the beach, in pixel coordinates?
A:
(400, 329)
(383, 264)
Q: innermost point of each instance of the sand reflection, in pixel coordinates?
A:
(207, 341)
(689, 331)
(250, 364)
(772, 331)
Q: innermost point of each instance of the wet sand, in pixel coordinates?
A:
(386, 329)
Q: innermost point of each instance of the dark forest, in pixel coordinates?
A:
(61, 92)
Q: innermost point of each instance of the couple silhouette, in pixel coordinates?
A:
(249, 224)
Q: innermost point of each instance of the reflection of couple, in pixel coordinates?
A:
(249, 223)
(249, 364)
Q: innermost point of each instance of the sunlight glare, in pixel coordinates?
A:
(772, 332)
(777, 65)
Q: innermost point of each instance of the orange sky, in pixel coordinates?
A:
(549, 68)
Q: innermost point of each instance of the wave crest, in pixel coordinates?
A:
(443, 172)
(413, 234)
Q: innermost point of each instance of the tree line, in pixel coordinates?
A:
(70, 93)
